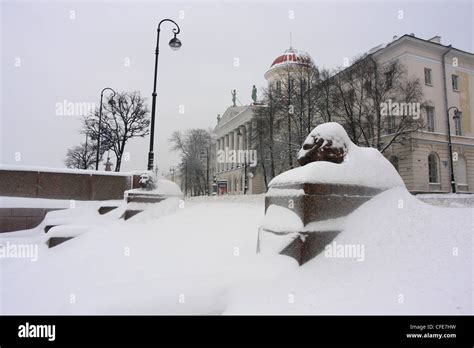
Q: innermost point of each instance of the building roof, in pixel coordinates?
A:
(433, 42)
(292, 56)
(232, 117)
(380, 49)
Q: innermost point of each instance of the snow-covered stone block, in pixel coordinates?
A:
(151, 191)
(305, 207)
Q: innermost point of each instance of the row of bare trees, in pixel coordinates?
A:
(302, 97)
(194, 146)
(124, 117)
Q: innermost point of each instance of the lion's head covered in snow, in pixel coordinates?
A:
(327, 142)
(147, 181)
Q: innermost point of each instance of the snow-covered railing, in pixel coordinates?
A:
(38, 169)
(61, 183)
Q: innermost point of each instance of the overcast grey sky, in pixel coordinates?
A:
(56, 51)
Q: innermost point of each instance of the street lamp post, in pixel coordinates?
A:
(111, 102)
(450, 145)
(175, 44)
(172, 171)
(214, 185)
(246, 185)
(245, 167)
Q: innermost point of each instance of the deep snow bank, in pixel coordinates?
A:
(361, 166)
(410, 265)
(417, 259)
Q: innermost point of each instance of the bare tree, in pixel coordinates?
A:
(192, 145)
(302, 97)
(126, 118)
(81, 156)
(359, 94)
(294, 107)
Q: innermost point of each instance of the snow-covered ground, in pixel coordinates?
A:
(200, 258)
(448, 199)
(21, 202)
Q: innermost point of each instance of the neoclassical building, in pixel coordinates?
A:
(447, 77)
(234, 153)
(234, 131)
(422, 158)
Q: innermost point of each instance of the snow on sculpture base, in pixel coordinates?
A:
(136, 202)
(316, 202)
(139, 199)
(305, 207)
(302, 246)
(317, 208)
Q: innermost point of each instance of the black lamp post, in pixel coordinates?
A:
(172, 171)
(175, 44)
(112, 103)
(239, 133)
(457, 115)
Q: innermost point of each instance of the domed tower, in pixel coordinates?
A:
(289, 63)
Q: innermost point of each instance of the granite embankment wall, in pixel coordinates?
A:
(83, 185)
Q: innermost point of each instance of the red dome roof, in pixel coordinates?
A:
(293, 56)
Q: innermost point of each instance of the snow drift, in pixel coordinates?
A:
(361, 166)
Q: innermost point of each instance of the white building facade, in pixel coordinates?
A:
(236, 162)
(233, 132)
(422, 158)
(447, 77)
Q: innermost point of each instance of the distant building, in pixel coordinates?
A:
(233, 134)
(234, 131)
(422, 160)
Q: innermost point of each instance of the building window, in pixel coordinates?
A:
(278, 86)
(368, 86)
(433, 169)
(303, 84)
(351, 96)
(394, 161)
(391, 124)
(457, 124)
(428, 77)
(388, 79)
(430, 118)
(455, 82)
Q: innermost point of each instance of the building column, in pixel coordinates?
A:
(241, 143)
(223, 149)
(248, 133)
(219, 148)
(244, 137)
(226, 145)
(234, 145)
(217, 151)
(248, 126)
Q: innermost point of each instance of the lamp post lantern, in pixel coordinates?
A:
(175, 44)
(457, 115)
(112, 103)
